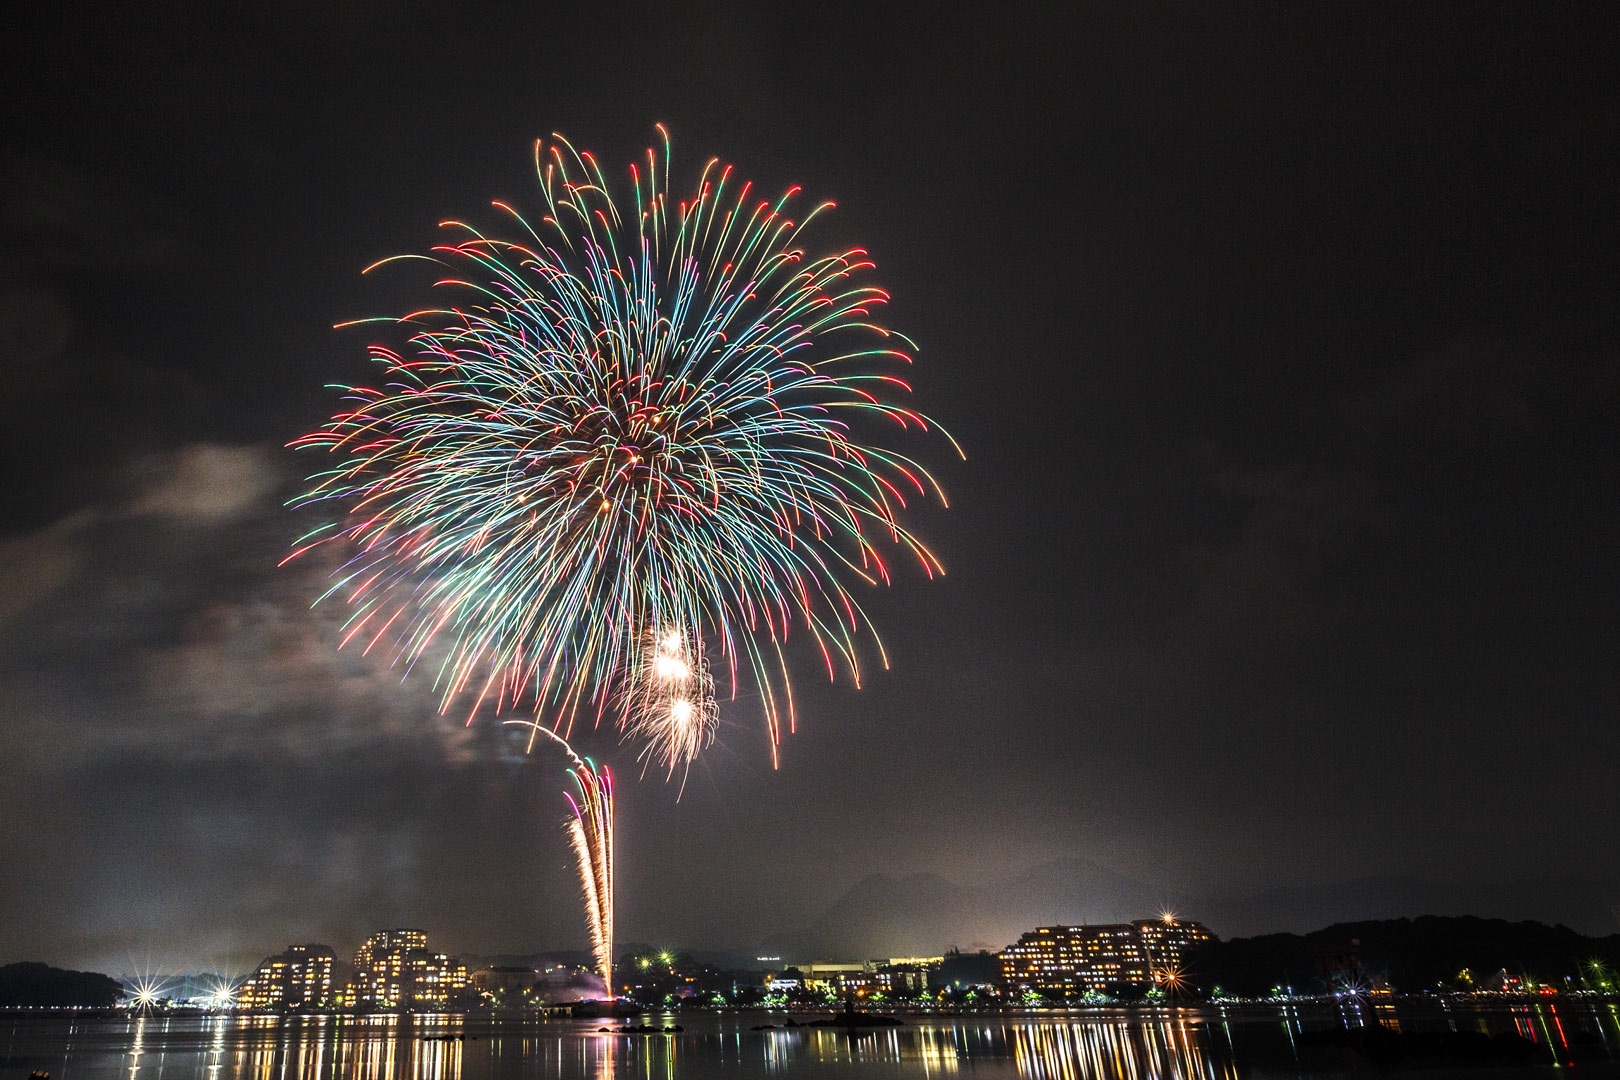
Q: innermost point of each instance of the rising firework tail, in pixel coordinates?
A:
(626, 419)
(590, 834)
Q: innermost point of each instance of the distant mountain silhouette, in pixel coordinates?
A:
(925, 913)
(1584, 904)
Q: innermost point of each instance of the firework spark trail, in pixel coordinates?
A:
(590, 834)
(622, 418)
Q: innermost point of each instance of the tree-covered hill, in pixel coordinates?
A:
(38, 985)
(1411, 955)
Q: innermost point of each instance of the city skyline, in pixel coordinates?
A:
(1159, 950)
(1280, 576)
(1166, 956)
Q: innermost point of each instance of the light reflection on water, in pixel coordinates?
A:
(1175, 1044)
(1164, 1051)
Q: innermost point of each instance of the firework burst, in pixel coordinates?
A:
(622, 417)
(673, 713)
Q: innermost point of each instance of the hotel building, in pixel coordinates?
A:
(300, 978)
(1081, 959)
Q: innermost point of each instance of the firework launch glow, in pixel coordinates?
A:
(632, 434)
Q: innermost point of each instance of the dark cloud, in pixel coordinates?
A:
(191, 739)
(165, 610)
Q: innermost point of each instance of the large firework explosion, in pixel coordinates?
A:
(632, 436)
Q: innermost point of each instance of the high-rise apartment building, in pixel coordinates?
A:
(300, 978)
(1077, 959)
(1167, 940)
(394, 969)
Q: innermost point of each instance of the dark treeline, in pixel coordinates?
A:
(1411, 955)
(34, 985)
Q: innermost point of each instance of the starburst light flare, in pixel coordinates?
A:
(625, 418)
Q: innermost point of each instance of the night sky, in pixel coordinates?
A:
(1282, 341)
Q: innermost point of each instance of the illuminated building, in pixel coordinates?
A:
(903, 982)
(828, 975)
(1081, 959)
(300, 978)
(900, 975)
(395, 970)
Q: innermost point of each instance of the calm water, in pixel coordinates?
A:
(1582, 1040)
